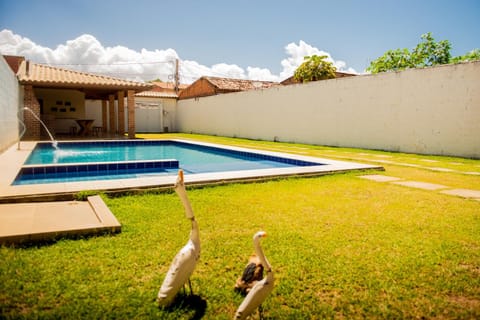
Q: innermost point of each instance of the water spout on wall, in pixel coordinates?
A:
(54, 142)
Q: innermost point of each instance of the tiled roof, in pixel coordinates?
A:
(166, 86)
(156, 94)
(43, 75)
(239, 84)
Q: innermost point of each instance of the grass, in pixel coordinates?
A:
(340, 246)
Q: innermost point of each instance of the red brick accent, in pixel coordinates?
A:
(131, 113)
(32, 125)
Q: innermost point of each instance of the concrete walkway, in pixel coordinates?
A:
(32, 222)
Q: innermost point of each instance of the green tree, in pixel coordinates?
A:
(392, 60)
(314, 68)
(429, 53)
(426, 53)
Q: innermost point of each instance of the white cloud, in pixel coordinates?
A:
(228, 70)
(86, 53)
(261, 74)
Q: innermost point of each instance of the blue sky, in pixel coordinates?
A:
(246, 33)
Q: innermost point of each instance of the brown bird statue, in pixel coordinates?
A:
(253, 272)
(261, 289)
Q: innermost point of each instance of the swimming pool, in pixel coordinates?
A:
(127, 159)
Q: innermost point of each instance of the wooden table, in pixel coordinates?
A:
(85, 126)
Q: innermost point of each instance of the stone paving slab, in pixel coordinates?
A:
(464, 193)
(44, 221)
(421, 185)
(474, 173)
(441, 169)
(379, 178)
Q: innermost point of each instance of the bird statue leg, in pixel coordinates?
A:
(189, 286)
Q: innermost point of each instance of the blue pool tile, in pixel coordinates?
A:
(27, 171)
(72, 169)
(61, 169)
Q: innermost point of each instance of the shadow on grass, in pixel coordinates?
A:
(187, 303)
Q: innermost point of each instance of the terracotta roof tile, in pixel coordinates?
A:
(156, 94)
(43, 75)
(239, 84)
(159, 86)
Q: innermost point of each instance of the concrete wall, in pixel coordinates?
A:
(93, 110)
(9, 104)
(427, 111)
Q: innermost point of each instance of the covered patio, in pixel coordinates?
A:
(58, 97)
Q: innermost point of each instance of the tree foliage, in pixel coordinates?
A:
(314, 68)
(426, 53)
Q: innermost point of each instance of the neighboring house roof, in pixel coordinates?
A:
(338, 74)
(239, 84)
(162, 90)
(166, 86)
(156, 94)
(94, 86)
(208, 86)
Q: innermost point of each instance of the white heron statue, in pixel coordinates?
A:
(184, 262)
(262, 288)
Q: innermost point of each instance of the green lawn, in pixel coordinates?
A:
(340, 247)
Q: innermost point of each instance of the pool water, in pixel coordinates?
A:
(102, 160)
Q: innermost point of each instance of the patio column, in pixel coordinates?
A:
(121, 113)
(131, 113)
(104, 115)
(111, 109)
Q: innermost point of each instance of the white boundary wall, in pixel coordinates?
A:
(426, 111)
(9, 104)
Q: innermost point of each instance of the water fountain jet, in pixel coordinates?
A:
(54, 142)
